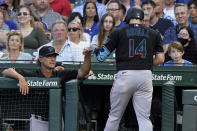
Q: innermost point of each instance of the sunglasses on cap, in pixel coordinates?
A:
(22, 13)
(73, 29)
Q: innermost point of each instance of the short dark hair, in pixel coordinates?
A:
(123, 8)
(191, 2)
(176, 45)
(190, 31)
(181, 5)
(113, 1)
(73, 16)
(96, 17)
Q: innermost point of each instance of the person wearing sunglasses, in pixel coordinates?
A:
(77, 15)
(77, 40)
(33, 37)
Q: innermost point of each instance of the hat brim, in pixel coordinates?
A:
(50, 54)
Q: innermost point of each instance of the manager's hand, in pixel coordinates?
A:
(24, 89)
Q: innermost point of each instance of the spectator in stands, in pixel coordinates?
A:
(43, 26)
(106, 26)
(182, 15)
(45, 13)
(3, 25)
(9, 15)
(77, 40)
(47, 62)
(159, 24)
(62, 7)
(100, 7)
(33, 37)
(146, 20)
(12, 8)
(10, 4)
(59, 34)
(3, 41)
(192, 6)
(8, 19)
(15, 48)
(169, 11)
(176, 51)
(113, 7)
(91, 19)
(186, 38)
(13, 5)
(159, 7)
(127, 4)
(122, 12)
(77, 15)
(4, 29)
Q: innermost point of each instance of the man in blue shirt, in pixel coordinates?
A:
(101, 8)
(113, 7)
(159, 24)
(182, 15)
(4, 8)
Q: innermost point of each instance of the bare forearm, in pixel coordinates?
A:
(24, 89)
(11, 73)
(85, 68)
(159, 59)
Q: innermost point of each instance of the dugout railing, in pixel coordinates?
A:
(168, 78)
(17, 110)
(11, 109)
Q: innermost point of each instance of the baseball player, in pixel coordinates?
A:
(135, 46)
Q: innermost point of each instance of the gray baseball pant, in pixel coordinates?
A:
(136, 83)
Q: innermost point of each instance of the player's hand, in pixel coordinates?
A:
(59, 68)
(24, 89)
(86, 52)
(89, 74)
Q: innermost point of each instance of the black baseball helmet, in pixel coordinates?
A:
(134, 13)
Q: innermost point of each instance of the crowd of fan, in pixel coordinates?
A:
(69, 26)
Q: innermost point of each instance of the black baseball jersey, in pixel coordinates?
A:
(37, 101)
(135, 46)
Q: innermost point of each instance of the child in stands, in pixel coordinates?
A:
(176, 51)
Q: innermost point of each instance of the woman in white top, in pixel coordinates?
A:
(15, 48)
(77, 40)
(107, 25)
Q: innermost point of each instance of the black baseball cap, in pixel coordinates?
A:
(47, 51)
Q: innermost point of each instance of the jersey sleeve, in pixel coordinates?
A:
(158, 46)
(111, 41)
(67, 75)
(25, 73)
